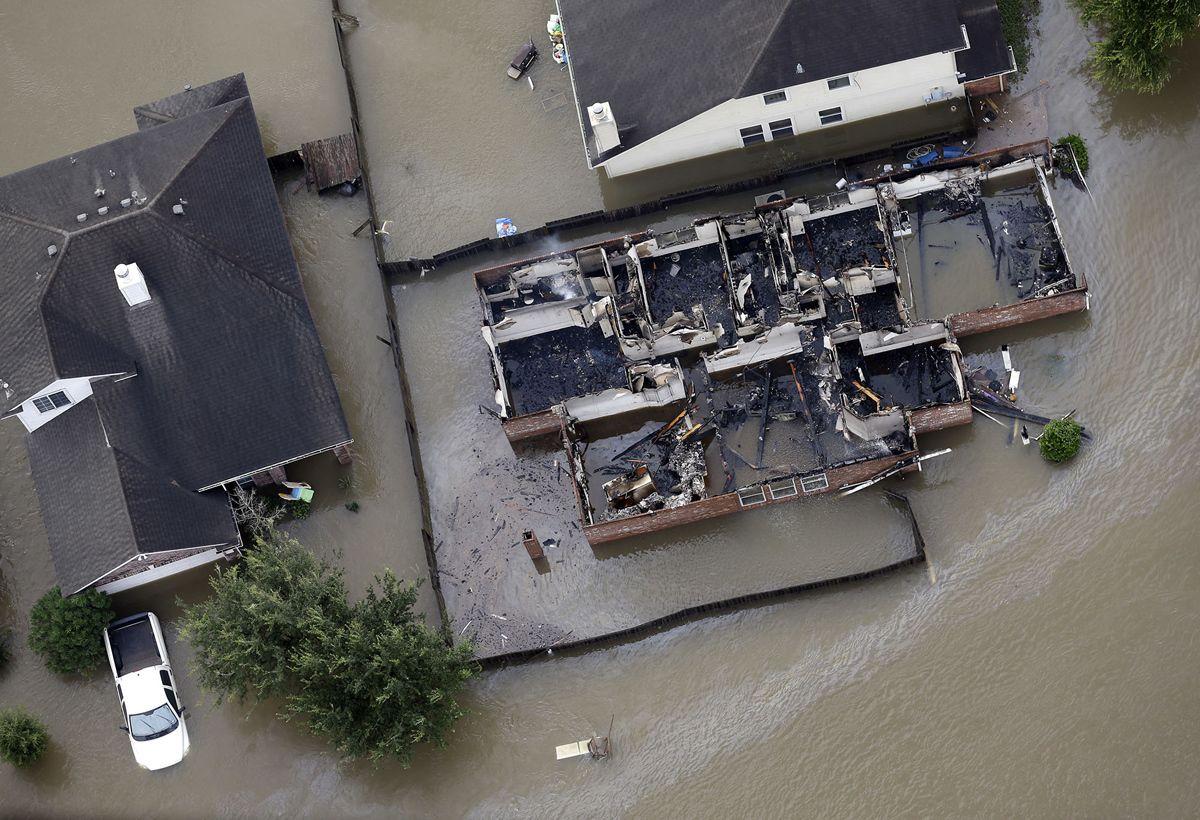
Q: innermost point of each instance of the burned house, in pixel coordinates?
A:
(748, 359)
(155, 339)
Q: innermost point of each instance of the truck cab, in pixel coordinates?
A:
(137, 655)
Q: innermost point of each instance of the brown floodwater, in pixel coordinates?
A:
(1044, 663)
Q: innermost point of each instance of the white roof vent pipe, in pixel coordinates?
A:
(604, 127)
(132, 284)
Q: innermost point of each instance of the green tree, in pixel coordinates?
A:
(1060, 440)
(1134, 53)
(261, 611)
(23, 738)
(69, 632)
(382, 682)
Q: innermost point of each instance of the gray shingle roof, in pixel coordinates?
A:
(662, 62)
(102, 507)
(231, 375)
(191, 101)
(988, 54)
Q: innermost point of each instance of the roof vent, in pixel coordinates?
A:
(132, 284)
(799, 68)
(51, 250)
(102, 210)
(81, 217)
(177, 209)
(99, 192)
(604, 127)
(126, 202)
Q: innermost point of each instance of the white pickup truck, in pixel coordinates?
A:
(146, 688)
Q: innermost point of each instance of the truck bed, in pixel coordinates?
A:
(133, 644)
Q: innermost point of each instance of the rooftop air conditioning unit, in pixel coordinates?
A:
(604, 127)
(132, 284)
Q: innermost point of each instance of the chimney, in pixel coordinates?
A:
(132, 284)
(604, 127)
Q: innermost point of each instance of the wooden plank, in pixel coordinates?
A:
(331, 161)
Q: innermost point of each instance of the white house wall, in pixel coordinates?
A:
(873, 92)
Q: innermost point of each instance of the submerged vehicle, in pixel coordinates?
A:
(524, 58)
(146, 688)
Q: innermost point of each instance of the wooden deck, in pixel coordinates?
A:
(330, 162)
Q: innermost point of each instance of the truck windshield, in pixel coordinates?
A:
(152, 724)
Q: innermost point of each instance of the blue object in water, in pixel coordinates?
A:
(505, 227)
(953, 152)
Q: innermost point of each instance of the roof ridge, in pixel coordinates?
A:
(32, 223)
(765, 45)
(199, 149)
(204, 243)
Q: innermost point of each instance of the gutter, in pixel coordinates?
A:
(273, 466)
(575, 91)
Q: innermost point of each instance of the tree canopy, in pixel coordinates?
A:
(380, 682)
(261, 611)
(69, 632)
(1138, 36)
(1060, 440)
(371, 677)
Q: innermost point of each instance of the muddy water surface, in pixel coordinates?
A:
(1044, 664)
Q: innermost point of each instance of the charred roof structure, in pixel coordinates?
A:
(764, 356)
(155, 338)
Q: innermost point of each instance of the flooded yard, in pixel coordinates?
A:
(1042, 663)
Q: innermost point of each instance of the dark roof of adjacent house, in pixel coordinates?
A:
(103, 507)
(662, 62)
(231, 377)
(989, 54)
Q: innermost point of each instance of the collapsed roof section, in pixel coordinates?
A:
(751, 356)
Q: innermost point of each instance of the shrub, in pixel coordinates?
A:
(5, 652)
(1060, 440)
(1073, 143)
(352, 506)
(384, 681)
(372, 678)
(260, 612)
(1134, 54)
(23, 738)
(1015, 16)
(299, 510)
(68, 632)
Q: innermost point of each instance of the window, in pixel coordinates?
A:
(783, 488)
(152, 724)
(781, 129)
(838, 82)
(750, 496)
(46, 404)
(752, 135)
(814, 483)
(830, 115)
(775, 97)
